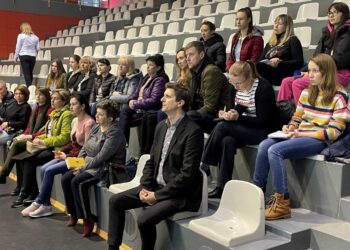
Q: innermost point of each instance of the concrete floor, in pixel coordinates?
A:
(50, 233)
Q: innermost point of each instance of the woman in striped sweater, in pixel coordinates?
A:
(319, 119)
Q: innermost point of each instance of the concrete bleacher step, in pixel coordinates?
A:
(331, 236)
(344, 209)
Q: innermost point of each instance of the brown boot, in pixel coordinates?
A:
(278, 208)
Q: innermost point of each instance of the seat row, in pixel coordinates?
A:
(10, 70)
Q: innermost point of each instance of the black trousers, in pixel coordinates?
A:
(16, 148)
(30, 185)
(147, 121)
(223, 142)
(147, 220)
(273, 75)
(75, 189)
(28, 63)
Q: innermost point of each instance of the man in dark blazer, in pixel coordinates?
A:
(171, 180)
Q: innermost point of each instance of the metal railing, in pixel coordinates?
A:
(92, 3)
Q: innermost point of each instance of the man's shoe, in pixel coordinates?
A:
(18, 202)
(216, 193)
(34, 206)
(42, 211)
(278, 207)
(30, 199)
(2, 179)
(72, 221)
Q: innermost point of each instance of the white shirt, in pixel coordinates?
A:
(27, 45)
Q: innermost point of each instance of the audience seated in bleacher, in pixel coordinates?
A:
(183, 75)
(57, 77)
(104, 148)
(145, 102)
(81, 126)
(56, 137)
(128, 79)
(72, 76)
(37, 120)
(319, 119)
(247, 120)
(14, 113)
(171, 181)
(214, 44)
(86, 78)
(283, 54)
(247, 43)
(103, 83)
(27, 47)
(209, 86)
(335, 41)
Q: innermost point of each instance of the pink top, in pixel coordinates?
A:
(82, 128)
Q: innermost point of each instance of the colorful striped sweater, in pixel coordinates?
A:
(327, 121)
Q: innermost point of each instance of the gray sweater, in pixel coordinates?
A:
(103, 148)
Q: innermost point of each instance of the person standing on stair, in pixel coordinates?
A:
(27, 48)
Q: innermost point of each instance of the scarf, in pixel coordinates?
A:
(38, 120)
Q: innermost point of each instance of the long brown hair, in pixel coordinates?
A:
(56, 77)
(328, 86)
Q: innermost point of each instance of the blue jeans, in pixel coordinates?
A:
(273, 152)
(47, 174)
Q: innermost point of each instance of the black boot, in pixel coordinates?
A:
(16, 191)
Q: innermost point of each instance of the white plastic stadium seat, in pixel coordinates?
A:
(170, 47)
(110, 50)
(117, 188)
(239, 219)
(123, 49)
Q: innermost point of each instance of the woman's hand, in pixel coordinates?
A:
(4, 125)
(274, 62)
(38, 141)
(59, 155)
(76, 171)
(132, 104)
(231, 115)
(288, 128)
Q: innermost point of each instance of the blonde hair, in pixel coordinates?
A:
(26, 28)
(129, 61)
(328, 69)
(288, 22)
(245, 68)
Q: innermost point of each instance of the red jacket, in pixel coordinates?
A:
(252, 48)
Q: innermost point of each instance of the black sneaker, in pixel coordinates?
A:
(29, 200)
(18, 202)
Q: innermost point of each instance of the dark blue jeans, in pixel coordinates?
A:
(47, 173)
(273, 152)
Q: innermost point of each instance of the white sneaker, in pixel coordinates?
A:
(34, 206)
(42, 211)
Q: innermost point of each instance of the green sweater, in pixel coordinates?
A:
(60, 128)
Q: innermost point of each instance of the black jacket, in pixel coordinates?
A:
(84, 84)
(71, 79)
(341, 47)
(106, 83)
(181, 165)
(216, 50)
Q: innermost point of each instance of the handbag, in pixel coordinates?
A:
(34, 148)
(286, 110)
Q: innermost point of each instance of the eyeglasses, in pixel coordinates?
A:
(332, 13)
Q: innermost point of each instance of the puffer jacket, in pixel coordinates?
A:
(216, 50)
